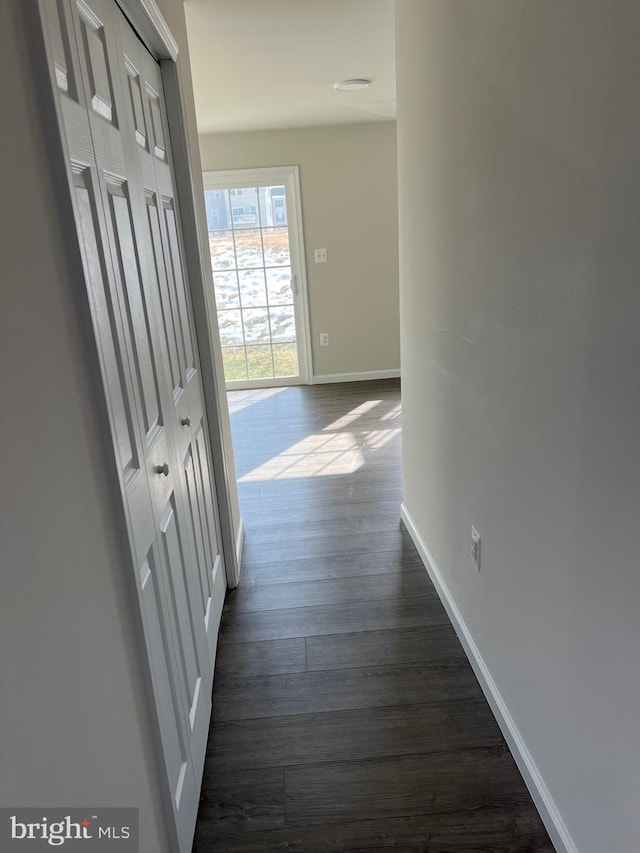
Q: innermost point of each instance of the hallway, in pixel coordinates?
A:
(345, 715)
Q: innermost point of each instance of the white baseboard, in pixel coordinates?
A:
(363, 376)
(240, 543)
(543, 800)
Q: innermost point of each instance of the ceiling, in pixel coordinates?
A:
(264, 64)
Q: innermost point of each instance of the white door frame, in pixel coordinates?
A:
(289, 177)
(150, 25)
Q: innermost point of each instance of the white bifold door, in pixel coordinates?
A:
(113, 118)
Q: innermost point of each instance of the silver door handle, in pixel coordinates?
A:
(162, 469)
(293, 282)
(186, 421)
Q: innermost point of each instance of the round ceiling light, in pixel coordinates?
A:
(351, 85)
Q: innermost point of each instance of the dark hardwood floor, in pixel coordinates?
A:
(345, 716)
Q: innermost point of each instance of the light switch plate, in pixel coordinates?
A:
(321, 256)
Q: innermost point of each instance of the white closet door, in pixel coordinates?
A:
(185, 402)
(113, 114)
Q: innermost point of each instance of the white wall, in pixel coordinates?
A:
(349, 206)
(519, 210)
(73, 721)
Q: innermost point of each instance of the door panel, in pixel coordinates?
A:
(192, 653)
(61, 50)
(178, 288)
(110, 339)
(136, 113)
(153, 100)
(114, 370)
(197, 532)
(206, 551)
(99, 77)
(193, 658)
(203, 485)
(160, 638)
(210, 534)
(168, 317)
(136, 312)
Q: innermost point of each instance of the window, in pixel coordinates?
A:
(251, 261)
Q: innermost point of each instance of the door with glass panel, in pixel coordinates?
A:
(257, 259)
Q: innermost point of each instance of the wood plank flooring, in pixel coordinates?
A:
(345, 714)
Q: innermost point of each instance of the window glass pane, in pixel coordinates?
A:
(221, 248)
(283, 326)
(225, 285)
(249, 248)
(273, 206)
(244, 203)
(235, 367)
(259, 362)
(285, 360)
(276, 247)
(251, 264)
(230, 325)
(252, 288)
(216, 204)
(279, 286)
(256, 325)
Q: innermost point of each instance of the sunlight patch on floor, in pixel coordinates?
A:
(375, 439)
(353, 415)
(332, 452)
(288, 466)
(319, 442)
(393, 414)
(237, 404)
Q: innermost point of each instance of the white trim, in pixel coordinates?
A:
(230, 179)
(147, 20)
(289, 176)
(304, 290)
(240, 545)
(393, 373)
(540, 794)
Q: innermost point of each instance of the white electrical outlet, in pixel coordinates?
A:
(321, 256)
(324, 339)
(475, 547)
